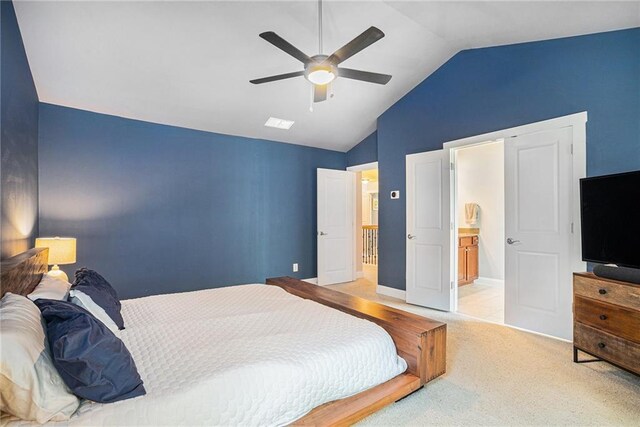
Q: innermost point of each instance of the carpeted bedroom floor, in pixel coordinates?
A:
(502, 376)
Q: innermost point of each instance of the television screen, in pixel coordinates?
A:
(610, 214)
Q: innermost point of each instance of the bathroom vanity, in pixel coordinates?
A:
(467, 258)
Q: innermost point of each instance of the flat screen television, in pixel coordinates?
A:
(610, 215)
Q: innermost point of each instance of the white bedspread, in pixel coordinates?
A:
(242, 355)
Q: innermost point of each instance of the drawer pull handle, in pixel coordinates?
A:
(602, 291)
(603, 317)
(601, 345)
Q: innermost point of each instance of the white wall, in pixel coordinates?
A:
(480, 178)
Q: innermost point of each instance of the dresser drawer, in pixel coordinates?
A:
(609, 347)
(619, 321)
(607, 291)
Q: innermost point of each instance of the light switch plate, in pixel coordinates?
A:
(295, 267)
(395, 194)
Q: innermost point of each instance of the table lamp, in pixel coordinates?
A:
(62, 250)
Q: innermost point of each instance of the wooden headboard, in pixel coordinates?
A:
(20, 274)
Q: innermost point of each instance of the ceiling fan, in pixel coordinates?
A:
(322, 69)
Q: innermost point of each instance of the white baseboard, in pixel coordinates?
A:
(499, 283)
(511, 326)
(391, 292)
(312, 280)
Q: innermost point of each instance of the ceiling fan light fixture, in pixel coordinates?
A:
(323, 69)
(321, 75)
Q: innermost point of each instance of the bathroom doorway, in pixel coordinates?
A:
(479, 207)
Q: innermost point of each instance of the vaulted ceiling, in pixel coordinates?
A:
(189, 64)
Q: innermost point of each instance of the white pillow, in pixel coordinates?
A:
(30, 386)
(83, 300)
(51, 288)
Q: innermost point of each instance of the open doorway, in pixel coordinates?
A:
(366, 224)
(480, 219)
(543, 163)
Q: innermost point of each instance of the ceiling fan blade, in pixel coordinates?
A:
(276, 78)
(365, 76)
(319, 93)
(284, 45)
(367, 38)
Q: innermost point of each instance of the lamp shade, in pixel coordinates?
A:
(62, 250)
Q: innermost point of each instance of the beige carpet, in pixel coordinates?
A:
(501, 376)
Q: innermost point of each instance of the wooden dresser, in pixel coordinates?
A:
(606, 320)
(467, 259)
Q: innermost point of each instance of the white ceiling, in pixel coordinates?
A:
(189, 63)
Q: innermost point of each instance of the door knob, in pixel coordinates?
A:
(322, 233)
(410, 236)
(512, 241)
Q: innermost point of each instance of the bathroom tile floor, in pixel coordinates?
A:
(482, 301)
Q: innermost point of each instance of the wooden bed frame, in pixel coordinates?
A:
(419, 341)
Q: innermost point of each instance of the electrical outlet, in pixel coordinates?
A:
(295, 267)
(395, 194)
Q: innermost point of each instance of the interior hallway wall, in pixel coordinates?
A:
(369, 216)
(359, 222)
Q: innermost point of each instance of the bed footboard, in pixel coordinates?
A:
(422, 342)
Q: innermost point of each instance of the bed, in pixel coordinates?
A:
(289, 352)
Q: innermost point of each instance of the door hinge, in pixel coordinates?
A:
(571, 148)
(571, 228)
(451, 284)
(453, 166)
(451, 225)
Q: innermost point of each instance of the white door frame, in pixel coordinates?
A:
(360, 168)
(355, 168)
(363, 167)
(578, 123)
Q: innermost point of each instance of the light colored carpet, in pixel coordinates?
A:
(501, 376)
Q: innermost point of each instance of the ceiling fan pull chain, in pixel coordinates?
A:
(320, 27)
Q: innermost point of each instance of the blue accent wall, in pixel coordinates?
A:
(483, 90)
(365, 152)
(18, 139)
(160, 209)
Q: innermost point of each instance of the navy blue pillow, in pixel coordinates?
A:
(92, 361)
(101, 292)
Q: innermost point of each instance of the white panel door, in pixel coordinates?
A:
(336, 226)
(538, 202)
(428, 230)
